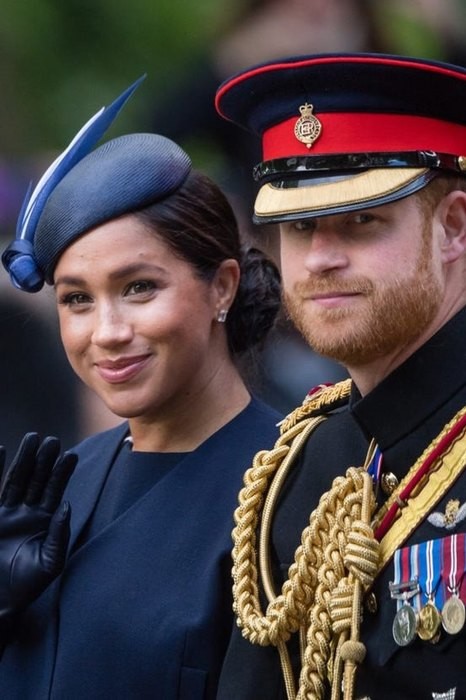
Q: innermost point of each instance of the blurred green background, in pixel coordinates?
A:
(61, 59)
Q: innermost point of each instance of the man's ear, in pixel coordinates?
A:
(451, 213)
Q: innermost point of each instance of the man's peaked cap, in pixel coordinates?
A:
(346, 131)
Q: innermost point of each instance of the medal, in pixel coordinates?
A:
(429, 622)
(404, 625)
(453, 615)
(453, 611)
(430, 619)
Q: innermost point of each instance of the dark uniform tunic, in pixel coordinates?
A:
(143, 610)
(404, 414)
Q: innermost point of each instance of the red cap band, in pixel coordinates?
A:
(361, 132)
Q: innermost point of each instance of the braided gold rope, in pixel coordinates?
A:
(264, 554)
(338, 525)
(285, 612)
(319, 563)
(321, 401)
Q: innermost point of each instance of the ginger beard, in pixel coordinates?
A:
(395, 313)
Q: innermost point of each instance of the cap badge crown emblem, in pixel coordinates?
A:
(307, 128)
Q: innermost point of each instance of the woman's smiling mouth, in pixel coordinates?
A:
(122, 369)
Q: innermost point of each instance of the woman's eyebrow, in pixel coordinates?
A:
(121, 272)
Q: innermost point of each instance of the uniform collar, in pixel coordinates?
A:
(416, 390)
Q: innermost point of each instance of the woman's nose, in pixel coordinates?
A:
(111, 327)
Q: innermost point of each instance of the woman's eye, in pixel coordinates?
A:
(140, 287)
(74, 299)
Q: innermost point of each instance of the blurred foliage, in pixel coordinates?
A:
(430, 28)
(63, 59)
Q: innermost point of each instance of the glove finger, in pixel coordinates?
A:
(38, 560)
(19, 472)
(44, 463)
(55, 545)
(55, 487)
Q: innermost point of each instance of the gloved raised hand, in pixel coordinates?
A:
(34, 527)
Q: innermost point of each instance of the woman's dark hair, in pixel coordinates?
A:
(199, 225)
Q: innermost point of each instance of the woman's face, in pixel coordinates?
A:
(138, 326)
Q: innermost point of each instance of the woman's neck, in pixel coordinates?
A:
(194, 419)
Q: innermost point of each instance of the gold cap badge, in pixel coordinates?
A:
(307, 128)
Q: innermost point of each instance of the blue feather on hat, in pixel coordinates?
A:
(19, 258)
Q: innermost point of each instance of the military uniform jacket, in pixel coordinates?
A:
(404, 414)
(143, 608)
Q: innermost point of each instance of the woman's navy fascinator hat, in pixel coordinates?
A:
(82, 189)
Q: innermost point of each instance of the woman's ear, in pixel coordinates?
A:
(225, 283)
(451, 213)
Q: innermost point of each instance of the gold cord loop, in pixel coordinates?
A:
(337, 557)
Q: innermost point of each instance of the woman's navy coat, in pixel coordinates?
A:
(143, 609)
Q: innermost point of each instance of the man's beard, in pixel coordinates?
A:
(394, 314)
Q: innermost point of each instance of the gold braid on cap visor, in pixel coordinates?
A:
(337, 193)
(308, 185)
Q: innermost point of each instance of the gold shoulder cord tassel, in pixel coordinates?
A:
(352, 651)
(338, 553)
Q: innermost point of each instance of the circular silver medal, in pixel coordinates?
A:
(404, 625)
(453, 615)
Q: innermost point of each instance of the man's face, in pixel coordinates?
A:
(363, 285)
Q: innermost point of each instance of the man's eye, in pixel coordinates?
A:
(363, 218)
(304, 225)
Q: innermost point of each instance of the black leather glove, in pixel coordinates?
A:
(34, 527)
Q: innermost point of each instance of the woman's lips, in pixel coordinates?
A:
(123, 369)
